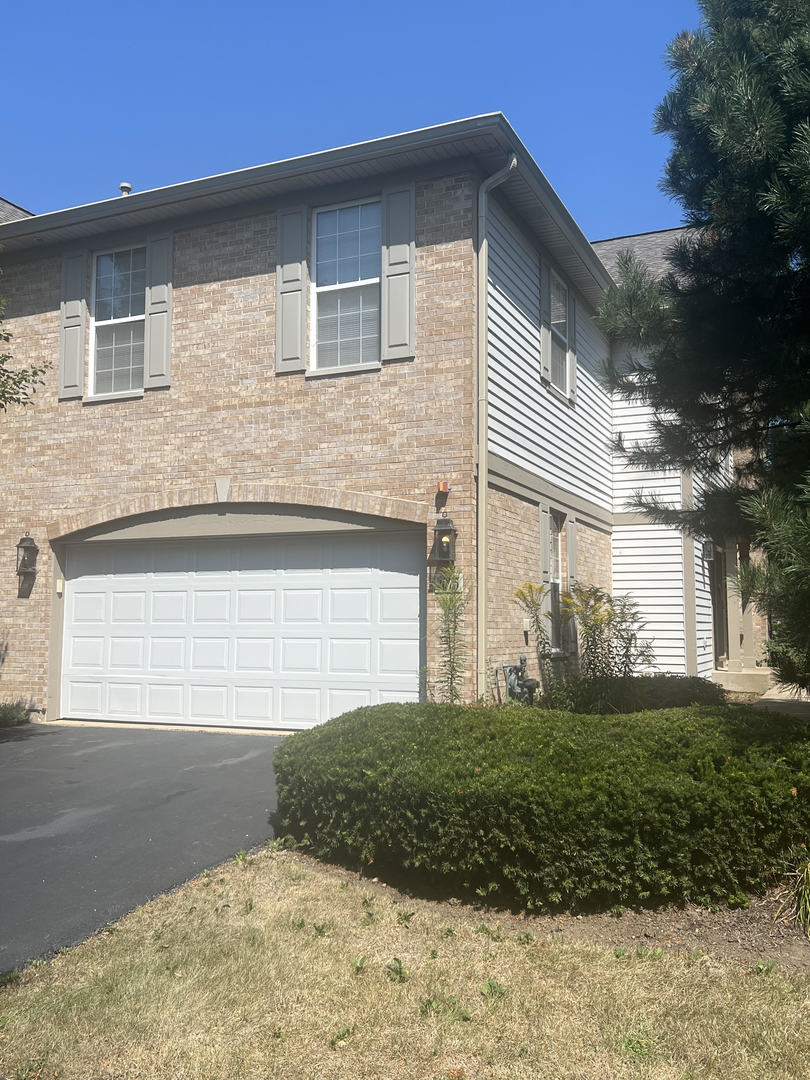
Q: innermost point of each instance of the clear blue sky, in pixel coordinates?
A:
(156, 94)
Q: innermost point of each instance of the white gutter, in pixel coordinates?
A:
(482, 420)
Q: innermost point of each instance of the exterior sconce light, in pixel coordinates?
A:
(708, 550)
(444, 541)
(27, 552)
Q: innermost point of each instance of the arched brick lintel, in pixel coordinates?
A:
(356, 502)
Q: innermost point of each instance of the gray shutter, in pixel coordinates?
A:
(571, 546)
(291, 296)
(397, 281)
(545, 544)
(72, 326)
(158, 328)
(545, 316)
(572, 346)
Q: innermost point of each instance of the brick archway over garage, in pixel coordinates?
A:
(304, 495)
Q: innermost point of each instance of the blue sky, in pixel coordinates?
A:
(99, 93)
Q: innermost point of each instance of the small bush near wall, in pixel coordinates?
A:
(13, 713)
(553, 810)
(633, 693)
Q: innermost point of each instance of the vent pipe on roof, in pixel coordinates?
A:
(125, 187)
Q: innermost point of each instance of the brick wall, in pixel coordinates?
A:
(393, 432)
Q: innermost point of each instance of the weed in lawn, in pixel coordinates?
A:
(396, 972)
(9, 978)
(298, 923)
(448, 932)
(247, 907)
(404, 918)
(368, 918)
(641, 1045)
(643, 953)
(763, 967)
(368, 899)
(496, 933)
(358, 964)
(492, 990)
(341, 1036)
(242, 859)
(620, 952)
(434, 955)
(448, 1007)
(321, 929)
(526, 937)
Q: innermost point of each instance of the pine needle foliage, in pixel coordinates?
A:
(720, 347)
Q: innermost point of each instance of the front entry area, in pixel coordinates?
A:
(256, 631)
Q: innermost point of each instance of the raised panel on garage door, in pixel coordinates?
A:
(278, 632)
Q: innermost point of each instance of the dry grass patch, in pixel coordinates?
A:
(271, 967)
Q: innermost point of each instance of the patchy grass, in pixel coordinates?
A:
(271, 967)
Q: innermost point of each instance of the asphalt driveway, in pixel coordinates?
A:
(94, 821)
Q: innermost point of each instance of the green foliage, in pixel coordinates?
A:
(451, 600)
(720, 347)
(14, 713)
(796, 902)
(553, 810)
(609, 627)
(396, 972)
(636, 693)
(532, 599)
(780, 587)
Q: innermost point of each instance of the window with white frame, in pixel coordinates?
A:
(559, 335)
(119, 292)
(347, 259)
(556, 524)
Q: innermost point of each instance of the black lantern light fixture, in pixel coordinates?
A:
(444, 541)
(27, 552)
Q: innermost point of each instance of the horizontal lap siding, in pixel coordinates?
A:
(648, 564)
(528, 425)
(632, 423)
(704, 623)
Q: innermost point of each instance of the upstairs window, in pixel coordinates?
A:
(347, 258)
(119, 292)
(559, 335)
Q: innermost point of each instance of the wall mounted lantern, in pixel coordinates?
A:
(444, 541)
(27, 552)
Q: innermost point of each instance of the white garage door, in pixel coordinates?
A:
(255, 632)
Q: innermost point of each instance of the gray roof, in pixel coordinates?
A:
(486, 142)
(651, 249)
(10, 212)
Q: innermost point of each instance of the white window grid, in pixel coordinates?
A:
(316, 290)
(96, 324)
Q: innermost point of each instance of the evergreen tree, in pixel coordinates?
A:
(720, 347)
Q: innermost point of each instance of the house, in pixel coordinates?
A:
(267, 389)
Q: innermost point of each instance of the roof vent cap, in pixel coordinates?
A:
(125, 187)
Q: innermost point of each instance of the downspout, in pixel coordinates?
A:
(482, 418)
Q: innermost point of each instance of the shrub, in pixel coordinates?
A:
(631, 694)
(451, 600)
(610, 642)
(13, 713)
(552, 809)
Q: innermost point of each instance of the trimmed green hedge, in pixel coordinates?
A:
(633, 693)
(553, 809)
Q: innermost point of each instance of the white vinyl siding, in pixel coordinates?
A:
(529, 425)
(648, 565)
(632, 423)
